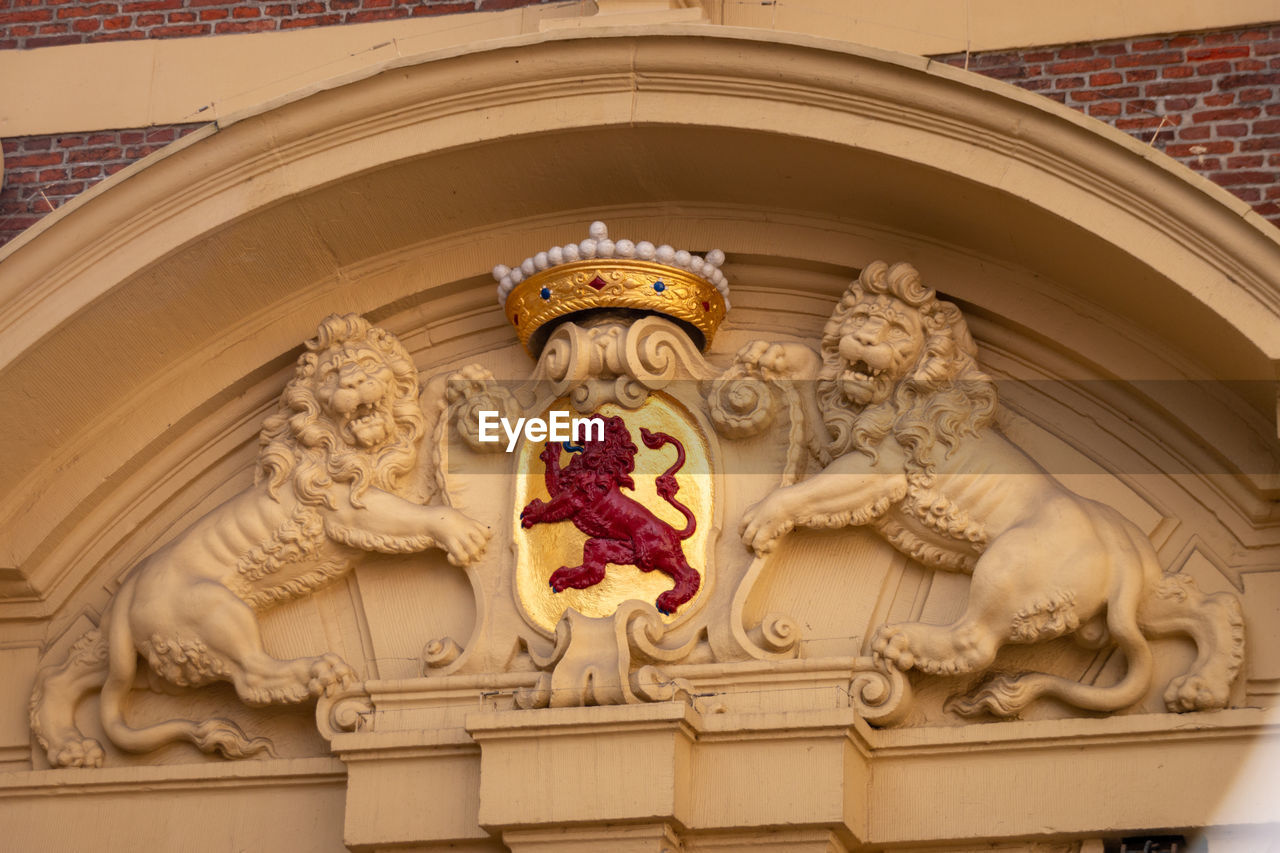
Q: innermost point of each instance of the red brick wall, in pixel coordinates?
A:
(1209, 100)
(44, 172)
(45, 23)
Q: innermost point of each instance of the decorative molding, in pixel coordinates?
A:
(176, 777)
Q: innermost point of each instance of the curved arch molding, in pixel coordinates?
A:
(189, 279)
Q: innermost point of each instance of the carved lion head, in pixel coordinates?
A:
(608, 461)
(350, 414)
(896, 359)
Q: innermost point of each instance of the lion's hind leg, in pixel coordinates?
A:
(1174, 605)
(58, 690)
(954, 649)
(210, 735)
(596, 554)
(205, 635)
(1007, 695)
(1054, 615)
(687, 581)
(996, 613)
(226, 633)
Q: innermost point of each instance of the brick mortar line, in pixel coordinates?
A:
(1210, 100)
(44, 172)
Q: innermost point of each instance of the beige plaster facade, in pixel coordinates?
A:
(1129, 309)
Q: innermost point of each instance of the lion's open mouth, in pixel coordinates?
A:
(364, 414)
(863, 372)
(865, 384)
(366, 425)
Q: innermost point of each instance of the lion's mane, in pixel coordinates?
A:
(300, 443)
(608, 461)
(943, 398)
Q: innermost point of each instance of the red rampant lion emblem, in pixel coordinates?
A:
(622, 530)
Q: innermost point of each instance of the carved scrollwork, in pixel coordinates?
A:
(537, 696)
(561, 357)
(881, 694)
(627, 392)
(653, 685)
(744, 400)
(439, 653)
(644, 633)
(655, 352)
(349, 710)
(741, 406)
(617, 362)
(779, 633)
(585, 364)
(593, 661)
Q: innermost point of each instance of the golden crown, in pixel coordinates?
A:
(602, 273)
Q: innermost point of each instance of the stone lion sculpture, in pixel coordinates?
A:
(328, 486)
(916, 458)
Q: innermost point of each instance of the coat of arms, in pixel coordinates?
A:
(644, 555)
(589, 493)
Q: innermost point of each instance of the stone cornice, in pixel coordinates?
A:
(892, 786)
(175, 777)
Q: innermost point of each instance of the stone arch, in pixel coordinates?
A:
(146, 326)
(200, 268)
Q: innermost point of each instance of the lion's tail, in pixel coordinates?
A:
(122, 658)
(1006, 695)
(667, 484)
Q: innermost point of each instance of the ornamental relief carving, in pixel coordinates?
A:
(330, 484)
(642, 559)
(917, 458)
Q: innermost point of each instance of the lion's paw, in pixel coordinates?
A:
(78, 753)
(780, 360)
(462, 537)
(765, 523)
(789, 361)
(669, 602)
(892, 644)
(1195, 693)
(576, 577)
(935, 649)
(329, 674)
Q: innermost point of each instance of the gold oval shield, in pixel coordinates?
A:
(543, 548)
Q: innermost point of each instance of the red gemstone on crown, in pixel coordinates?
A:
(597, 282)
(706, 306)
